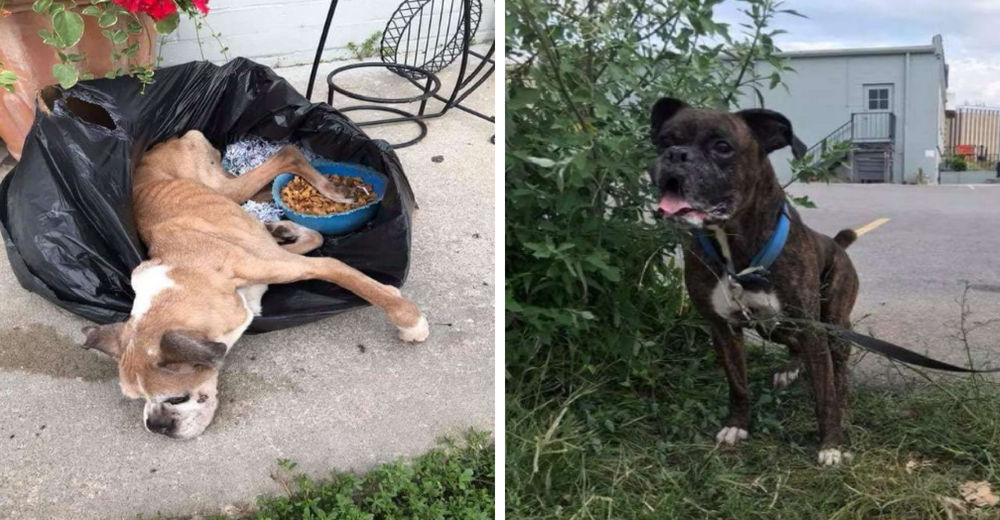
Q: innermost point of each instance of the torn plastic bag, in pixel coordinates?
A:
(66, 208)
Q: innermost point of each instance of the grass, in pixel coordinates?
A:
(599, 441)
(367, 48)
(452, 482)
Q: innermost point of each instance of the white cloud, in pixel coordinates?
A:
(976, 80)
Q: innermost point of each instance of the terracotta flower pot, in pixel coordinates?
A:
(23, 52)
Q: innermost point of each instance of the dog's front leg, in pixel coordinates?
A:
(729, 349)
(288, 160)
(818, 360)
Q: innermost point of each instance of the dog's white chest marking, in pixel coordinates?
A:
(251, 296)
(733, 303)
(147, 283)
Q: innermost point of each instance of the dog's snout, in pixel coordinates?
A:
(164, 425)
(679, 154)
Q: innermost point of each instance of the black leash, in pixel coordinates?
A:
(878, 346)
(889, 350)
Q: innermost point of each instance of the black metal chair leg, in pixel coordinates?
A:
(319, 51)
(423, 102)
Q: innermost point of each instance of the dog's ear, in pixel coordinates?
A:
(189, 347)
(104, 338)
(663, 110)
(771, 129)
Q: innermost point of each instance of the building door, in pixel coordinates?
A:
(873, 123)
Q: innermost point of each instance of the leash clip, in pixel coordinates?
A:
(755, 278)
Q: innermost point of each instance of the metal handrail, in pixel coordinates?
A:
(845, 132)
(821, 144)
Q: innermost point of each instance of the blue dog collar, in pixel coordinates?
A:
(762, 261)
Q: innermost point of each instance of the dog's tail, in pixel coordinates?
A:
(845, 238)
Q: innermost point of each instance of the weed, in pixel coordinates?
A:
(450, 482)
(367, 48)
(454, 481)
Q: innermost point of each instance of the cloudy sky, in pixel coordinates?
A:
(970, 28)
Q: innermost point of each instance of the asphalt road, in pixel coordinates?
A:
(340, 394)
(914, 268)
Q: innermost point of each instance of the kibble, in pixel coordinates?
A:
(301, 197)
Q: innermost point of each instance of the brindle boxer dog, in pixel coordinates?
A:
(209, 265)
(713, 173)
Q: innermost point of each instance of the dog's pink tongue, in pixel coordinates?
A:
(671, 204)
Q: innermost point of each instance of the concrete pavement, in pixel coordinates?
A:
(914, 267)
(340, 394)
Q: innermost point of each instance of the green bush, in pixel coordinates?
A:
(958, 163)
(587, 269)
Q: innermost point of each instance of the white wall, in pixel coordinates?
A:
(285, 32)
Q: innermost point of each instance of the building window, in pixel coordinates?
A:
(878, 97)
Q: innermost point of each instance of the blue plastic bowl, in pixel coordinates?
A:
(337, 223)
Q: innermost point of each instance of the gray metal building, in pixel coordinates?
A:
(888, 103)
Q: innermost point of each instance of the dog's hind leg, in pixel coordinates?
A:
(293, 237)
(276, 266)
(789, 373)
(729, 349)
(836, 309)
(288, 160)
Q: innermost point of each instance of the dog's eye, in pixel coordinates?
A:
(179, 400)
(722, 147)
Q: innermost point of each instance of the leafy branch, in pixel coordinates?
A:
(580, 80)
(818, 168)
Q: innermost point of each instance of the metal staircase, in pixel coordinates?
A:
(872, 136)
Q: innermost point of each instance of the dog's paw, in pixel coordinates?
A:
(730, 435)
(336, 192)
(785, 378)
(833, 457)
(417, 333)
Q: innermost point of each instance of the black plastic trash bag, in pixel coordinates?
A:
(66, 209)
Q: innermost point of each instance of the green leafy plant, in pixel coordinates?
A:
(957, 163)
(7, 79)
(119, 22)
(585, 261)
(455, 481)
(367, 48)
(819, 168)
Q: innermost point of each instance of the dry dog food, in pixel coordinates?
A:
(301, 197)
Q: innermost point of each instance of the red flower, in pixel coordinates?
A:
(202, 5)
(135, 6)
(161, 9)
(158, 9)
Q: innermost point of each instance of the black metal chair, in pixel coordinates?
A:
(421, 38)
